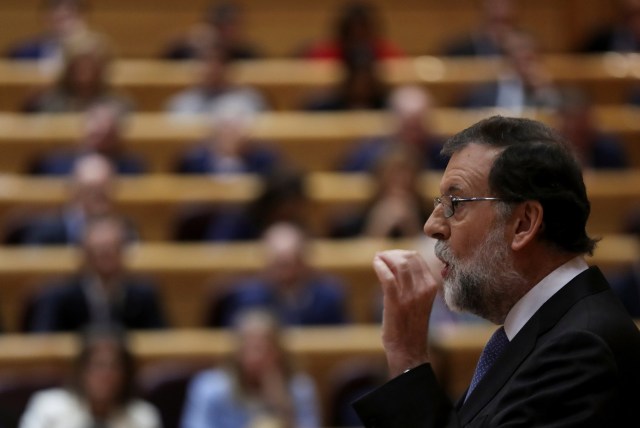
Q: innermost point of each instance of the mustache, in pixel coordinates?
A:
(443, 252)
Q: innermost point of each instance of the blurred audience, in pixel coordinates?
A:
(102, 132)
(258, 388)
(222, 21)
(360, 88)
(62, 19)
(288, 285)
(83, 79)
(91, 194)
(411, 108)
(213, 90)
(626, 284)
(283, 198)
(498, 22)
(523, 82)
(397, 209)
(621, 36)
(577, 124)
(357, 28)
(101, 391)
(102, 290)
(229, 148)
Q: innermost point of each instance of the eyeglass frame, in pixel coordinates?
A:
(454, 200)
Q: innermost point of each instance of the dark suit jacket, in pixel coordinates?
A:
(66, 308)
(576, 363)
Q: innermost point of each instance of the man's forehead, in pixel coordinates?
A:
(469, 168)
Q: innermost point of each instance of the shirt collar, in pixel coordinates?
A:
(529, 304)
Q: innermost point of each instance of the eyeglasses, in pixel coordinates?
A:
(449, 203)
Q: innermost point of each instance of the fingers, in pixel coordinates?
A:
(405, 270)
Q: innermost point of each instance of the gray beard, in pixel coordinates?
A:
(487, 284)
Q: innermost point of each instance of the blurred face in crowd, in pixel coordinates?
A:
(64, 17)
(103, 375)
(104, 247)
(92, 185)
(411, 107)
(102, 128)
(259, 350)
(285, 251)
(214, 71)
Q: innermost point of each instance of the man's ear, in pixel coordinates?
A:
(527, 224)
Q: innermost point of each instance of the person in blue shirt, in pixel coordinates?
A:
(258, 387)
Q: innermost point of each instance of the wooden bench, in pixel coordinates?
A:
(286, 83)
(154, 202)
(312, 142)
(187, 274)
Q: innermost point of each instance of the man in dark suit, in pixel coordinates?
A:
(510, 226)
(288, 286)
(102, 291)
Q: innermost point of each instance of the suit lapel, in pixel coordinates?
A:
(588, 282)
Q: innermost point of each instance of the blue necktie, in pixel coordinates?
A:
(492, 350)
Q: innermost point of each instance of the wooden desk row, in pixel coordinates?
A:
(311, 141)
(279, 27)
(287, 82)
(154, 202)
(186, 273)
(321, 352)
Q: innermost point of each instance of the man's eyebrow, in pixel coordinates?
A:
(452, 189)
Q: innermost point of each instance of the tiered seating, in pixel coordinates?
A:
(313, 142)
(285, 82)
(187, 273)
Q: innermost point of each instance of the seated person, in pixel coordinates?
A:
(593, 148)
(522, 83)
(83, 79)
(498, 21)
(229, 148)
(91, 188)
(287, 286)
(102, 132)
(63, 18)
(102, 290)
(259, 387)
(223, 21)
(361, 87)
(357, 27)
(282, 198)
(397, 209)
(101, 392)
(213, 90)
(411, 110)
(621, 36)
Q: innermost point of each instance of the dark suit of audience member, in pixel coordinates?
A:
(522, 83)
(222, 22)
(577, 124)
(283, 198)
(621, 36)
(102, 132)
(91, 190)
(410, 107)
(62, 19)
(498, 20)
(288, 286)
(102, 291)
(396, 210)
